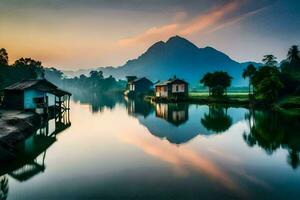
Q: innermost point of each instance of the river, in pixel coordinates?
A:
(115, 148)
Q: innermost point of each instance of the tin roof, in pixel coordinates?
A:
(162, 83)
(41, 85)
(26, 84)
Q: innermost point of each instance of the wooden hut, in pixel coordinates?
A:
(35, 95)
(173, 87)
(138, 86)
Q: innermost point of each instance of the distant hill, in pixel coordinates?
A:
(178, 56)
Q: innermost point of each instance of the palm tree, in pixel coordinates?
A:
(293, 54)
(249, 73)
(269, 60)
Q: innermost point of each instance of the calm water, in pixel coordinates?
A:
(129, 149)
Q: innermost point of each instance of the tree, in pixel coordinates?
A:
(217, 82)
(293, 54)
(269, 60)
(249, 73)
(291, 66)
(3, 57)
(35, 67)
(95, 75)
(269, 87)
(27, 62)
(267, 82)
(207, 81)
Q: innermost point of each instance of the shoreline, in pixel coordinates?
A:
(236, 101)
(15, 127)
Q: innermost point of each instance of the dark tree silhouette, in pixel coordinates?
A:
(293, 54)
(269, 60)
(217, 82)
(249, 73)
(217, 119)
(3, 57)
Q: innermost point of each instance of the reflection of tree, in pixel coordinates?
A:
(217, 119)
(271, 131)
(3, 187)
(97, 101)
(293, 159)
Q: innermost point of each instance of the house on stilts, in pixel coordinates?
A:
(38, 95)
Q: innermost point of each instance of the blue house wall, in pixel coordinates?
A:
(29, 96)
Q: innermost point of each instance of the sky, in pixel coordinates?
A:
(74, 34)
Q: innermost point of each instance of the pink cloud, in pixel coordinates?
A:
(152, 34)
(213, 19)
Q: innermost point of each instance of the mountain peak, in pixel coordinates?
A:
(178, 41)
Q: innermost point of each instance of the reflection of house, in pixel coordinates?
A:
(171, 88)
(137, 86)
(137, 106)
(173, 113)
(28, 158)
(34, 95)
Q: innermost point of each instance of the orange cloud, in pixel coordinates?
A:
(152, 34)
(210, 19)
(179, 157)
(199, 24)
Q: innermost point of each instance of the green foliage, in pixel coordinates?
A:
(249, 73)
(270, 83)
(217, 82)
(267, 83)
(95, 82)
(269, 87)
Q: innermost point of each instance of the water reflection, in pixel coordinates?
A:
(175, 113)
(217, 119)
(3, 187)
(272, 131)
(138, 107)
(97, 101)
(181, 151)
(27, 159)
(179, 122)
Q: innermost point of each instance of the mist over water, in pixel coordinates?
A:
(121, 148)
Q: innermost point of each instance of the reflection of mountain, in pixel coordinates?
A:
(179, 123)
(271, 131)
(27, 159)
(97, 100)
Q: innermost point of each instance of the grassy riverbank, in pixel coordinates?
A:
(232, 99)
(289, 104)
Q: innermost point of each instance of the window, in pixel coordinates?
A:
(176, 88)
